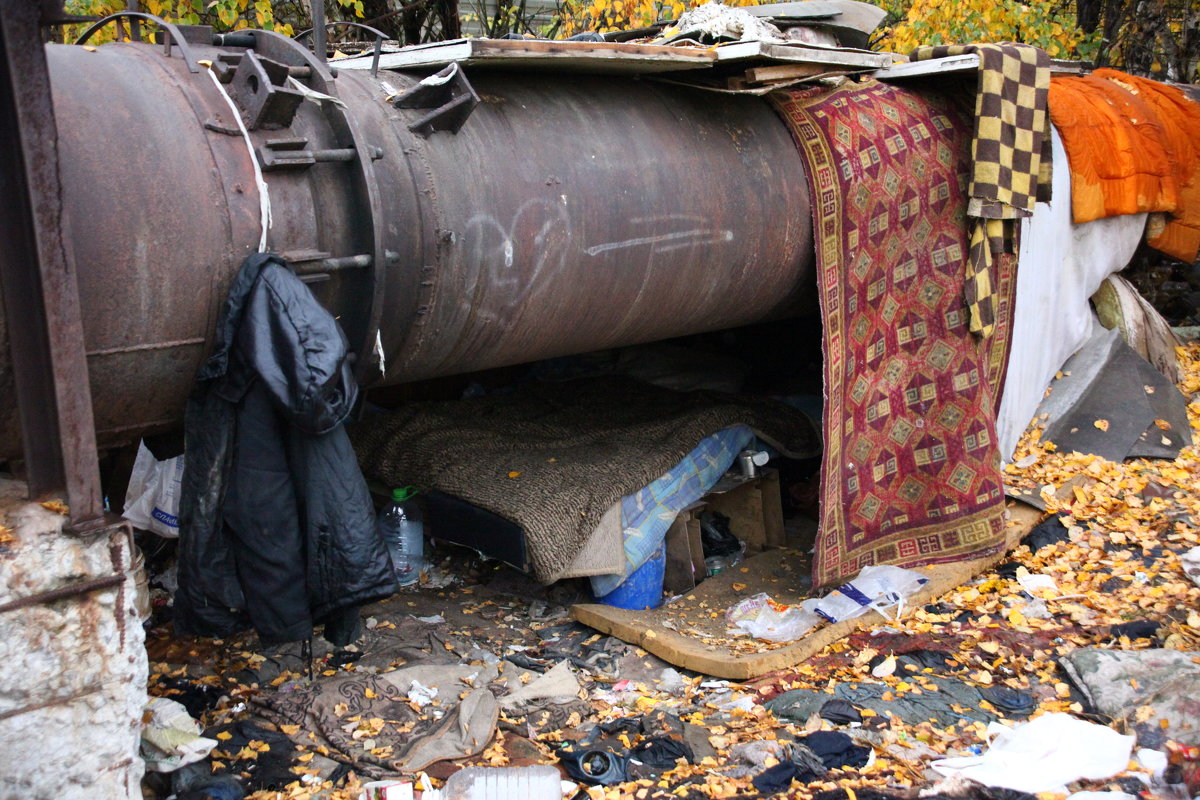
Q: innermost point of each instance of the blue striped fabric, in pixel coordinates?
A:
(648, 513)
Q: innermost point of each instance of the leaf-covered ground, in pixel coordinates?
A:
(1126, 526)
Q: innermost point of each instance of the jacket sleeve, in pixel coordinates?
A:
(298, 350)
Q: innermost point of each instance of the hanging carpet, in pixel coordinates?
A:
(911, 463)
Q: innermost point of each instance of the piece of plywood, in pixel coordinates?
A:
(678, 634)
(779, 72)
(679, 572)
(968, 62)
(545, 54)
(778, 52)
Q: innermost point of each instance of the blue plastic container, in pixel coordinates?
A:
(643, 589)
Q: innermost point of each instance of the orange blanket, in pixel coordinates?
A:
(1116, 148)
(1180, 120)
(1133, 145)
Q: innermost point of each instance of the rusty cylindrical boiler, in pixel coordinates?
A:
(563, 214)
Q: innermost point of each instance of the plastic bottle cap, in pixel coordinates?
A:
(403, 493)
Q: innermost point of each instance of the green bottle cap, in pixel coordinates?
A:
(403, 493)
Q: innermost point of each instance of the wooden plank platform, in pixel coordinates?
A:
(541, 54)
(689, 635)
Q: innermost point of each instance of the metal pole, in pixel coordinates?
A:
(319, 32)
(37, 272)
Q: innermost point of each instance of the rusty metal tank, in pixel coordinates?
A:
(563, 214)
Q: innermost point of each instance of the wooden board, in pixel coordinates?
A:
(968, 62)
(782, 574)
(541, 54)
(776, 52)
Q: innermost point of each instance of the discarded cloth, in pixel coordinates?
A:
(170, 737)
(662, 752)
(1158, 689)
(647, 513)
(1044, 755)
(953, 701)
(556, 685)
(1179, 116)
(1116, 148)
(369, 723)
(276, 524)
(910, 466)
(1190, 561)
(836, 750)
(775, 779)
(553, 457)
(1010, 157)
(242, 754)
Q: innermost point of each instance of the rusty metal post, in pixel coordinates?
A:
(319, 31)
(38, 278)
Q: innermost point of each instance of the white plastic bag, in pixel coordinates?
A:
(879, 587)
(765, 619)
(1044, 755)
(170, 737)
(152, 499)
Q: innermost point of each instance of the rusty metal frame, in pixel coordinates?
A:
(37, 273)
(379, 35)
(170, 34)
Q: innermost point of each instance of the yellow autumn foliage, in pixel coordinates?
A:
(1043, 23)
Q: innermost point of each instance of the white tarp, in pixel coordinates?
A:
(1061, 265)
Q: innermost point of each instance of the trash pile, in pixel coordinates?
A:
(1071, 669)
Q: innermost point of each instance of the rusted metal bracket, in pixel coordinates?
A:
(172, 35)
(37, 272)
(258, 87)
(448, 93)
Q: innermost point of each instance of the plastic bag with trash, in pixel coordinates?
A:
(152, 499)
(881, 588)
(765, 619)
(170, 737)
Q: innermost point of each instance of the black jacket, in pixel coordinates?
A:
(276, 526)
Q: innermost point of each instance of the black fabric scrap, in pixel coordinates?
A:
(836, 750)
(1052, 531)
(1011, 701)
(777, 778)
(1137, 629)
(270, 770)
(840, 712)
(195, 697)
(662, 752)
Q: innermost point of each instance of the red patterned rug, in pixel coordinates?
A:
(911, 468)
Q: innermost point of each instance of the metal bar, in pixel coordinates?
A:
(135, 25)
(37, 272)
(319, 32)
(63, 592)
(57, 701)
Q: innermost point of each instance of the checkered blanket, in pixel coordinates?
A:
(1010, 154)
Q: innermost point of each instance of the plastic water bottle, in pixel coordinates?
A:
(539, 782)
(403, 532)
